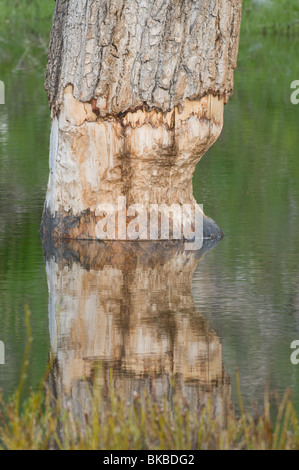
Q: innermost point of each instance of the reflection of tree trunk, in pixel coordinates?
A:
(137, 92)
(131, 308)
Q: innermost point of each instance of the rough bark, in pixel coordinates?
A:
(126, 53)
(136, 89)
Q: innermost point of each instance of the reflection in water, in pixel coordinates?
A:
(128, 307)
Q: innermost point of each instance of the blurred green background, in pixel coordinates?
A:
(247, 288)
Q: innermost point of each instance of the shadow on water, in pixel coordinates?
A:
(128, 308)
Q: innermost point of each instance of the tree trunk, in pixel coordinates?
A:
(136, 89)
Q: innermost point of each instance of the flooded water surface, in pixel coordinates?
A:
(152, 312)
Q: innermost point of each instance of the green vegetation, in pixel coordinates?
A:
(24, 32)
(25, 26)
(270, 17)
(41, 421)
